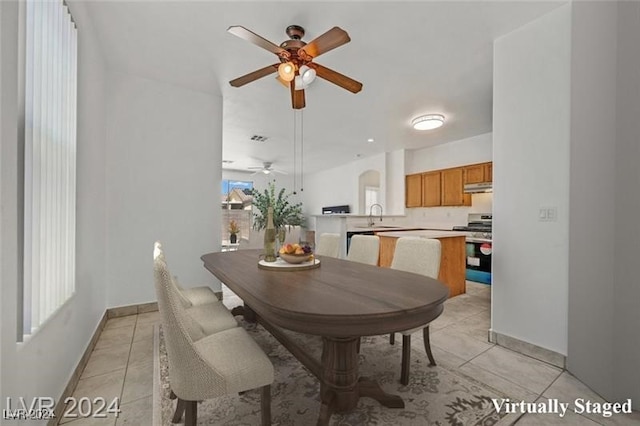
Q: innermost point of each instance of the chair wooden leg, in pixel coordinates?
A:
(392, 338)
(191, 413)
(406, 359)
(265, 405)
(427, 346)
(180, 405)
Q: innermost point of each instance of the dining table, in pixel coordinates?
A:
(340, 301)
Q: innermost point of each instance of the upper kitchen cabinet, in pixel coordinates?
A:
(453, 188)
(413, 190)
(478, 173)
(431, 189)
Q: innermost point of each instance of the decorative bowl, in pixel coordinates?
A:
(295, 258)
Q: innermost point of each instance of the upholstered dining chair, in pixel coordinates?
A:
(193, 296)
(328, 245)
(203, 367)
(420, 256)
(364, 249)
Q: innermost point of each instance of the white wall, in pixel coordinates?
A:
(531, 170)
(164, 162)
(42, 366)
(603, 290)
(395, 167)
(339, 185)
(626, 315)
(476, 149)
(593, 170)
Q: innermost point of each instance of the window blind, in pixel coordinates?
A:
(50, 90)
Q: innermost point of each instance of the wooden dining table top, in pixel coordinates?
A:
(339, 298)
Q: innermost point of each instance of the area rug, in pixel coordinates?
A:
(435, 396)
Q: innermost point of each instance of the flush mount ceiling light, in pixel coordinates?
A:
(427, 122)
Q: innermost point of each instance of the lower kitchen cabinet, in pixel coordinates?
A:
(452, 262)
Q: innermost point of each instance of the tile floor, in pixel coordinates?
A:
(122, 364)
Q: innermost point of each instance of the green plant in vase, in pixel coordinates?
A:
(285, 214)
(234, 230)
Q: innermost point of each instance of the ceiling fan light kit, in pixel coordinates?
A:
(428, 122)
(296, 60)
(287, 71)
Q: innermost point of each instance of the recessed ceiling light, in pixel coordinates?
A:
(428, 122)
(370, 140)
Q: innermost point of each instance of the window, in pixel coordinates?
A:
(370, 197)
(50, 86)
(236, 206)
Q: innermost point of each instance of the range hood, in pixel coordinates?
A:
(475, 188)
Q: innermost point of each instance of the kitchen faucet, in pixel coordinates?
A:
(370, 223)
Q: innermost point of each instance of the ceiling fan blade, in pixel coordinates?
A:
(297, 96)
(336, 78)
(333, 38)
(252, 76)
(254, 38)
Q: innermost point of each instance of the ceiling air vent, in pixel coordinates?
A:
(258, 138)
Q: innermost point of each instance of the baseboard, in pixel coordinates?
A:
(529, 349)
(123, 311)
(75, 377)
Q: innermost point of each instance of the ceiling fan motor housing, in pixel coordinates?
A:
(295, 32)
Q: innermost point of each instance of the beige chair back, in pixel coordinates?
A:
(364, 249)
(191, 376)
(417, 255)
(328, 245)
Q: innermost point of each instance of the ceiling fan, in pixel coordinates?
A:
(267, 168)
(296, 68)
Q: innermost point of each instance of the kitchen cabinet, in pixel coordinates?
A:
(431, 189)
(445, 187)
(452, 259)
(488, 172)
(453, 188)
(478, 173)
(413, 190)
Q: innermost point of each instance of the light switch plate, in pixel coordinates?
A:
(548, 214)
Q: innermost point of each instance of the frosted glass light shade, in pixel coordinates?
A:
(427, 122)
(287, 71)
(307, 74)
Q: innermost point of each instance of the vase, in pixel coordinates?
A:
(233, 238)
(270, 238)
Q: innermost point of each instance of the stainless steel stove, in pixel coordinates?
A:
(479, 246)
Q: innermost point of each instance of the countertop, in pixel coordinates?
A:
(423, 234)
(383, 228)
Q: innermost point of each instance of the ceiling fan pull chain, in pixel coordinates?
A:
(301, 150)
(294, 152)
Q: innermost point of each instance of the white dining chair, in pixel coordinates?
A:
(222, 363)
(328, 245)
(420, 256)
(364, 249)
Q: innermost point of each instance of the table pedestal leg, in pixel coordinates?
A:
(340, 387)
(244, 310)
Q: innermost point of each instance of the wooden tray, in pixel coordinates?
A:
(281, 265)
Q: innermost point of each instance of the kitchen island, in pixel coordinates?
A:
(452, 262)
